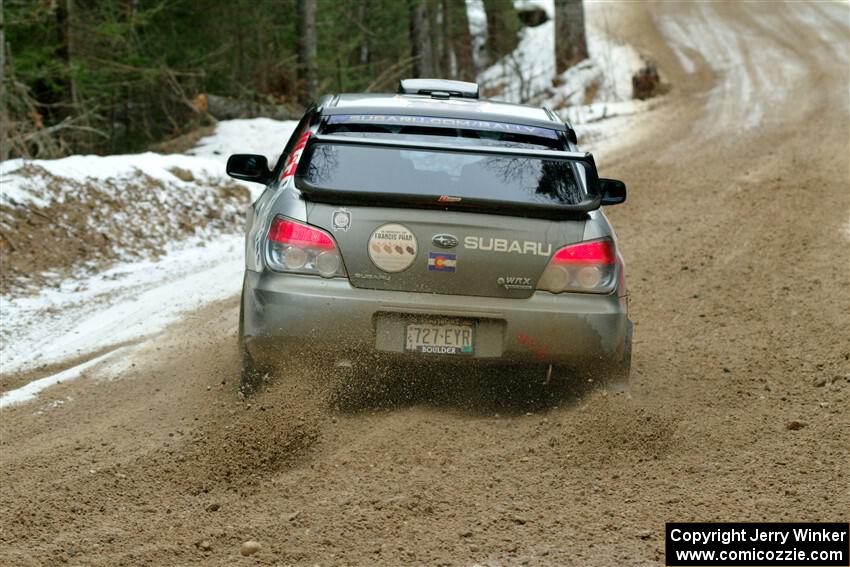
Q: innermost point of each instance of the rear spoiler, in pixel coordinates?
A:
(316, 193)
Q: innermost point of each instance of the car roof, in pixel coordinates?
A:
(454, 107)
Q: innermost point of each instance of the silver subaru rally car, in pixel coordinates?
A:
(431, 225)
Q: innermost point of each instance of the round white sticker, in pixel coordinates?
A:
(392, 247)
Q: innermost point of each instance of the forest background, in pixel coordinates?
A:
(116, 76)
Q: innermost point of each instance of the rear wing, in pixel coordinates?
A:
(588, 178)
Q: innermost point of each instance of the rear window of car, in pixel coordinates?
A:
(435, 172)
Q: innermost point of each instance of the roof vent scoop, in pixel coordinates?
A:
(438, 88)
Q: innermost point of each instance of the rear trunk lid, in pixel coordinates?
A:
(444, 252)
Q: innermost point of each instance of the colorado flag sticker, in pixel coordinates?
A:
(441, 262)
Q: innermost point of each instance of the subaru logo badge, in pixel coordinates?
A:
(445, 241)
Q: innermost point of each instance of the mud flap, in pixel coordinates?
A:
(618, 381)
(250, 377)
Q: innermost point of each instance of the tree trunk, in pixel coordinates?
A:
(4, 151)
(570, 39)
(420, 39)
(307, 48)
(442, 49)
(363, 18)
(460, 40)
(65, 50)
(502, 28)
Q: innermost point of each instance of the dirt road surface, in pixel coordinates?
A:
(738, 248)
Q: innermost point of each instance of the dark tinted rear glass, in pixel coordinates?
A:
(421, 172)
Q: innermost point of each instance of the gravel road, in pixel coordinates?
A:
(737, 241)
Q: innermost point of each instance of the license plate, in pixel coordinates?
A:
(439, 339)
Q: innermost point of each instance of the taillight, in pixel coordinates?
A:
(303, 249)
(586, 266)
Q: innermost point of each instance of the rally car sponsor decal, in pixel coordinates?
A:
(442, 262)
(443, 122)
(292, 162)
(392, 248)
(341, 219)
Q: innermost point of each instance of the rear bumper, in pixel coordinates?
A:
(286, 314)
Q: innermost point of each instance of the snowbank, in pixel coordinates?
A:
(262, 136)
(527, 72)
(594, 90)
(120, 305)
(18, 187)
(78, 214)
(203, 164)
(167, 226)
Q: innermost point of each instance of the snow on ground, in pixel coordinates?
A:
(75, 216)
(679, 40)
(744, 69)
(206, 162)
(528, 72)
(32, 389)
(610, 67)
(588, 94)
(530, 68)
(262, 136)
(20, 189)
(120, 305)
(131, 300)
